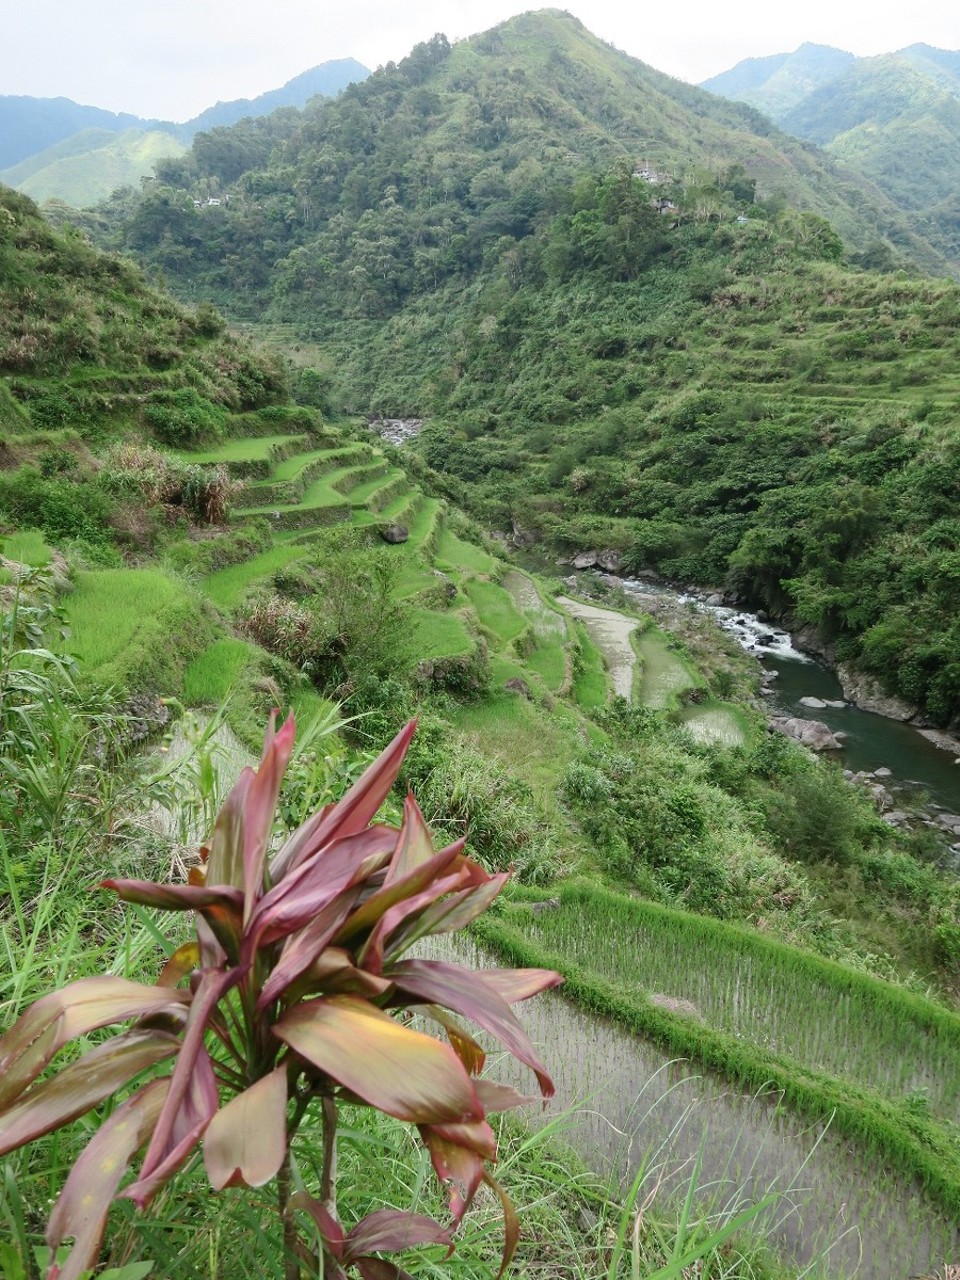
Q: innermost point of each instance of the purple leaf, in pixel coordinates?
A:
(246, 1140)
(305, 947)
(192, 1100)
(467, 992)
(451, 913)
(82, 1006)
(293, 902)
(369, 912)
(515, 985)
(330, 1230)
(403, 1072)
(225, 863)
(173, 897)
(415, 845)
(82, 1208)
(349, 815)
(82, 1084)
(458, 1168)
(260, 807)
(390, 1230)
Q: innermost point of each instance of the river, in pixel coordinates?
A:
(872, 741)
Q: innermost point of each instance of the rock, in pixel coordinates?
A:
(584, 560)
(393, 533)
(811, 733)
(522, 537)
(449, 586)
(868, 695)
(896, 818)
(570, 583)
(950, 820)
(714, 601)
(836, 703)
(815, 704)
(610, 560)
(518, 685)
(883, 773)
(942, 740)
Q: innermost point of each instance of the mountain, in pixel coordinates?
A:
(776, 83)
(87, 166)
(413, 176)
(53, 147)
(327, 80)
(894, 118)
(30, 125)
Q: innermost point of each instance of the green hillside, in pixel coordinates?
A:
(430, 170)
(194, 530)
(895, 119)
(86, 167)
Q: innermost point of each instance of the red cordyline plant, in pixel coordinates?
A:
(296, 993)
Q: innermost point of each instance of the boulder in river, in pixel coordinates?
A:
(867, 694)
(815, 704)
(810, 733)
(584, 560)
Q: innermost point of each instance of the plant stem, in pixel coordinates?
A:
(291, 1265)
(328, 1178)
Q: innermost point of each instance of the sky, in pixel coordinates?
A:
(170, 59)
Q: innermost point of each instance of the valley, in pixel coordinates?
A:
(203, 517)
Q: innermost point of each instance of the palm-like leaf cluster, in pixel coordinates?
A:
(295, 989)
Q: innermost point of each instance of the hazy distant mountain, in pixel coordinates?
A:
(776, 83)
(894, 118)
(29, 125)
(87, 166)
(327, 79)
(32, 131)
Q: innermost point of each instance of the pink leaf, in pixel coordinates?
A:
(82, 1006)
(82, 1208)
(289, 905)
(349, 815)
(390, 1230)
(225, 864)
(467, 992)
(369, 912)
(402, 1072)
(82, 1084)
(446, 916)
(515, 985)
(260, 807)
(303, 949)
(246, 1140)
(173, 897)
(192, 1100)
(330, 1230)
(458, 1168)
(415, 845)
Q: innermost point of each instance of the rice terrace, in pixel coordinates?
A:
(478, 551)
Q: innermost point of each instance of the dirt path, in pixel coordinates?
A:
(610, 631)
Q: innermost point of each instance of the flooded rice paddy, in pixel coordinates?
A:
(837, 1212)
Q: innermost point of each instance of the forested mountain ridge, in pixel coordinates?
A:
(418, 174)
(54, 147)
(894, 118)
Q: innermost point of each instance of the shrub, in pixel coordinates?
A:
(184, 418)
(282, 1030)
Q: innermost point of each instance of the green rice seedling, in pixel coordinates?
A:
(495, 609)
(227, 587)
(26, 546)
(456, 553)
(211, 676)
(591, 684)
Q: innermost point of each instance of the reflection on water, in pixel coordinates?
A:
(837, 1210)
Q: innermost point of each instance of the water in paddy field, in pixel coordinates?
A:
(873, 741)
(628, 1104)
